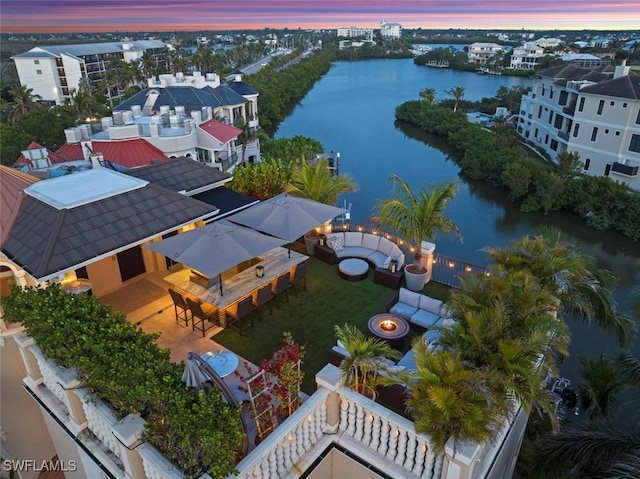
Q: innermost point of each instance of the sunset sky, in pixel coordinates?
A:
(26, 16)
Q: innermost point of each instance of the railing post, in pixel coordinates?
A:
(34, 375)
(329, 377)
(427, 249)
(128, 431)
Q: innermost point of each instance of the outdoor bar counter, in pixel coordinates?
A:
(275, 262)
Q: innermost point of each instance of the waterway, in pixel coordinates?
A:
(351, 110)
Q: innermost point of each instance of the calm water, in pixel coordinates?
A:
(351, 110)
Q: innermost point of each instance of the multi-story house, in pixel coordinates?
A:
(390, 30)
(55, 71)
(526, 57)
(355, 32)
(194, 116)
(480, 52)
(592, 112)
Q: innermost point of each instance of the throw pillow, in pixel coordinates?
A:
(387, 262)
(335, 244)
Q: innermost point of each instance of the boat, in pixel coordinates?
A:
(564, 396)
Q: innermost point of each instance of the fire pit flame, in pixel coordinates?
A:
(388, 325)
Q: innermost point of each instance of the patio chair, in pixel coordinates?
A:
(180, 307)
(299, 277)
(243, 311)
(203, 320)
(263, 298)
(282, 286)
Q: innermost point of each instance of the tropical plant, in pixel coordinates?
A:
(417, 217)
(366, 360)
(22, 101)
(569, 275)
(601, 382)
(248, 135)
(262, 180)
(457, 93)
(452, 401)
(428, 95)
(314, 180)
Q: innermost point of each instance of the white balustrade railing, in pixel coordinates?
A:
(387, 434)
(100, 420)
(296, 436)
(50, 372)
(155, 465)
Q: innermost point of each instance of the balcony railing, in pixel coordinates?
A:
(626, 170)
(570, 109)
(564, 135)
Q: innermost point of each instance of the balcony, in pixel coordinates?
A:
(570, 109)
(625, 170)
(564, 135)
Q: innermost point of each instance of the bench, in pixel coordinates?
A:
(420, 310)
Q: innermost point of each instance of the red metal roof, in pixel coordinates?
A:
(129, 153)
(221, 132)
(67, 152)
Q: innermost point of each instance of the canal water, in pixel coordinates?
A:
(351, 111)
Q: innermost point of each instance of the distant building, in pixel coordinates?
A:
(390, 30)
(355, 32)
(593, 112)
(548, 42)
(53, 72)
(585, 60)
(480, 52)
(526, 57)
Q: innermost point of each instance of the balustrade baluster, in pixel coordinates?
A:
(411, 452)
(359, 422)
(273, 464)
(299, 443)
(384, 436)
(351, 425)
(421, 452)
(344, 413)
(437, 468)
(280, 467)
(393, 443)
(375, 439)
(305, 433)
(402, 448)
(286, 446)
(366, 439)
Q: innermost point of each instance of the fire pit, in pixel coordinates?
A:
(390, 328)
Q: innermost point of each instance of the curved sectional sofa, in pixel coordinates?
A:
(376, 250)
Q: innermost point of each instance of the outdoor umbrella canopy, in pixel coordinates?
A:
(287, 217)
(192, 376)
(215, 247)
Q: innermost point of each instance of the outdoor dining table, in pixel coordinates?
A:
(275, 263)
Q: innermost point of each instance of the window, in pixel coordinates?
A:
(617, 133)
(638, 118)
(600, 107)
(554, 145)
(550, 117)
(624, 105)
(635, 143)
(558, 123)
(551, 92)
(36, 62)
(594, 133)
(575, 130)
(587, 162)
(38, 72)
(606, 131)
(563, 98)
(546, 139)
(581, 105)
(540, 112)
(613, 103)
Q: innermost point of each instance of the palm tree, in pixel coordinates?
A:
(457, 93)
(601, 382)
(569, 275)
(367, 358)
(248, 135)
(22, 101)
(149, 65)
(428, 95)
(417, 217)
(451, 400)
(316, 182)
(84, 106)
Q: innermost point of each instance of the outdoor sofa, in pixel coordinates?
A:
(420, 310)
(376, 250)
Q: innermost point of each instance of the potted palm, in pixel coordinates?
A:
(367, 358)
(315, 181)
(414, 218)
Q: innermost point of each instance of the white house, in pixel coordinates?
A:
(593, 112)
(480, 52)
(548, 42)
(390, 30)
(526, 57)
(53, 72)
(355, 32)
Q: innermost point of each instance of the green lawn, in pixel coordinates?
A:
(311, 315)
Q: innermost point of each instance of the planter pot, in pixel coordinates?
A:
(415, 281)
(310, 242)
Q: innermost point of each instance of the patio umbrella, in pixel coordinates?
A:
(215, 247)
(287, 217)
(192, 376)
